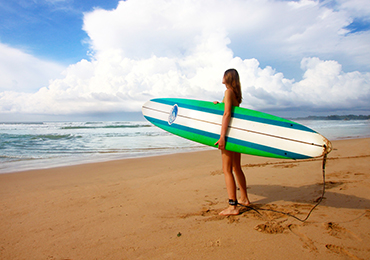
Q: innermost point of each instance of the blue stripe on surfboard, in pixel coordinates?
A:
(237, 115)
(260, 147)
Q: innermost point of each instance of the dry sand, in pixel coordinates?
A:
(166, 207)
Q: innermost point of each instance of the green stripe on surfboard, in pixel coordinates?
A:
(231, 144)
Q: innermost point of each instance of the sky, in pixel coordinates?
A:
(102, 60)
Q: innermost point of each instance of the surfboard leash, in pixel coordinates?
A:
(319, 200)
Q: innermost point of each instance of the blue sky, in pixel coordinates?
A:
(359, 25)
(48, 29)
(74, 59)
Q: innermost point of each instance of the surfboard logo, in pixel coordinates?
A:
(173, 114)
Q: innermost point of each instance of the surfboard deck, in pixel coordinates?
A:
(250, 132)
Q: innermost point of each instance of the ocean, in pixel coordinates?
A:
(26, 146)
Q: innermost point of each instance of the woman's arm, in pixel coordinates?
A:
(225, 119)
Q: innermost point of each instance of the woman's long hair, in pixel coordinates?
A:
(231, 77)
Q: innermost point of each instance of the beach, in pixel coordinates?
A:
(166, 207)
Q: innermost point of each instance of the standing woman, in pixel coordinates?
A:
(231, 160)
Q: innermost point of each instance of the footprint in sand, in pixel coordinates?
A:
(216, 243)
(307, 242)
(337, 231)
(341, 251)
(217, 172)
(271, 227)
(367, 214)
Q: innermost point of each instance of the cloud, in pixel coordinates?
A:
(324, 86)
(22, 72)
(142, 50)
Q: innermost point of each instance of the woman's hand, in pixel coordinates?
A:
(221, 143)
(216, 102)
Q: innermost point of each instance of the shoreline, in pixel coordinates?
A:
(166, 207)
(97, 159)
(100, 159)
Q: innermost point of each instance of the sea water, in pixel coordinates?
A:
(25, 146)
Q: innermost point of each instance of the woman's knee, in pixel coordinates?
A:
(237, 168)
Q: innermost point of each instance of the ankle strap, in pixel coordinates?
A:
(233, 202)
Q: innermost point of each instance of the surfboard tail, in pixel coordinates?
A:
(327, 147)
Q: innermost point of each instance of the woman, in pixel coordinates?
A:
(231, 160)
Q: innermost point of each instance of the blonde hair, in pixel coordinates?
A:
(231, 77)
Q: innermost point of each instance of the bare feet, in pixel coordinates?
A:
(230, 211)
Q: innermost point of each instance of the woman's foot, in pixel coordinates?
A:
(245, 202)
(230, 211)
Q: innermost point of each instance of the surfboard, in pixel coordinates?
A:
(249, 132)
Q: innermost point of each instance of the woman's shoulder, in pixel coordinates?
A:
(230, 95)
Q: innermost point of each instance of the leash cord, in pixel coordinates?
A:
(317, 203)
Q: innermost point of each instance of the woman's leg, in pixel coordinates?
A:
(227, 166)
(240, 177)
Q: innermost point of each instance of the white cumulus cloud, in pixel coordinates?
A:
(22, 72)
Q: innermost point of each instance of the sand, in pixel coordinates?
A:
(166, 207)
